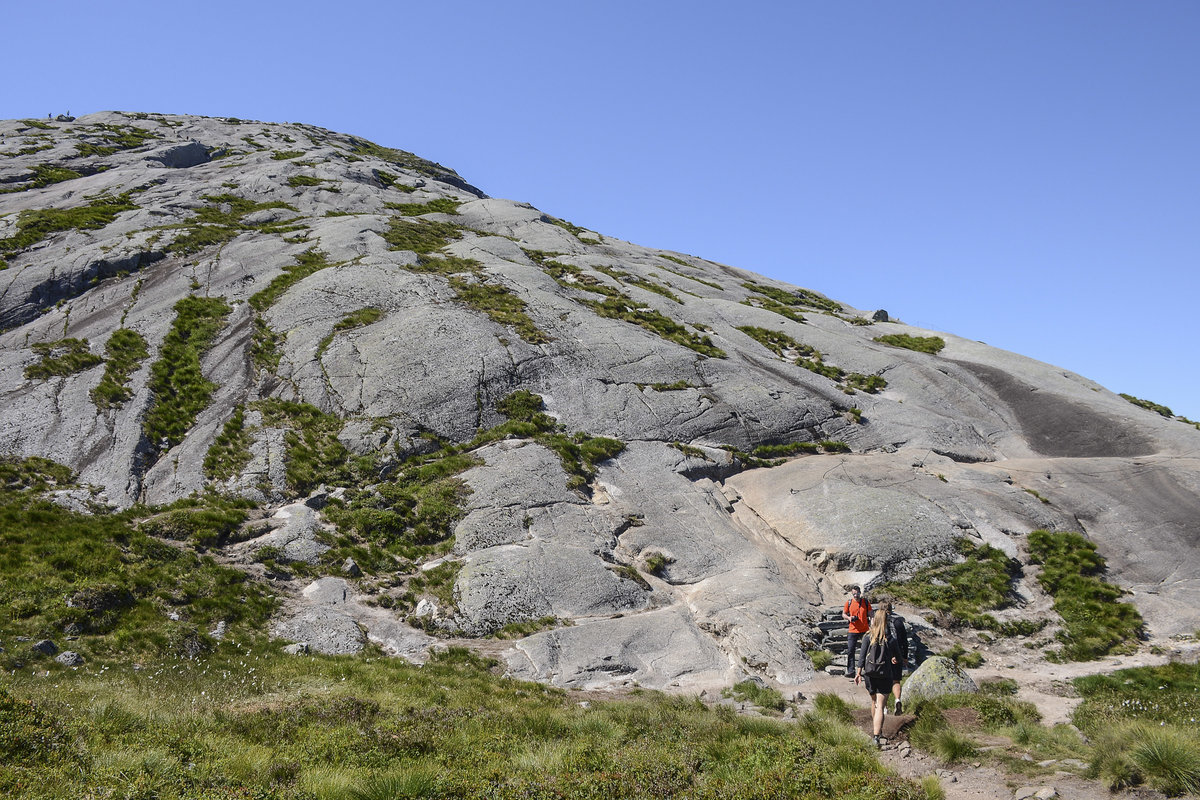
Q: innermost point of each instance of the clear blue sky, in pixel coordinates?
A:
(1022, 172)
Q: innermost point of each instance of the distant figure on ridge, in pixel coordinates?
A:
(877, 662)
(857, 612)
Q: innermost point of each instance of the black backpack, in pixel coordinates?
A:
(879, 656)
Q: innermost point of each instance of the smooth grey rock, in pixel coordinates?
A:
(45, 647)
(519, 583)
(295, 536)
(297, 649)
(324, 629)
(328, 592)
(69, 658)
(658, 648)
(351, 568)
(938, 676)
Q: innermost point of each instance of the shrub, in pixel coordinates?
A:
(820, 659)
(1168, 759)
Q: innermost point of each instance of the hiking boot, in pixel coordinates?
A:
(878, 746)
(899, 707)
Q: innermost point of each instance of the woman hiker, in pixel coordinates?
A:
(877, 661)
(900, 634)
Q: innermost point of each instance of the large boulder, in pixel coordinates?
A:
(936, 677)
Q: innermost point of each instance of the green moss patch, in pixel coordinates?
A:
(113, 139)
(180, 389)
(501, 305)
(124, 353)
(1150, 406)
(230, 451)
(922, 344)
(442, 205)
(420, 236)
(314, 454)
(798, 298)
(60, 358)
(45, 175)
(307, 263)
(35, 225)
(1095, 622)
(784, 346)
(401, 158)
(222, 220)
(627, 310)
(640, 282)
(967, 590)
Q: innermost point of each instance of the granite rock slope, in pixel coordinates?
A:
(304, 296)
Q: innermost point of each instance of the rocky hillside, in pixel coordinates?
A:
(460, 416)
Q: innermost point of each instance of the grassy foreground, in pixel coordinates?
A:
(247, 721)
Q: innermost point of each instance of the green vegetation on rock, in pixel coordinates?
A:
(635, 280)
(308, 262)
(125, 351)
(784, 346)
(785, 299)
(35, 225)
(180, 390)
(421, 236)
(764, 697)
(61, 358)
(1149, 405)
(314, 454)
(442, 205)
(627, 310)
(113, 139)
(922, 344)
(45, 175)
(223, 220)
(966, 590)
(230, 451)
(110, 581)
(616, 305)
(501, 306)
(1095, 622)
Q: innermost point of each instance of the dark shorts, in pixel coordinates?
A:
(878, 683)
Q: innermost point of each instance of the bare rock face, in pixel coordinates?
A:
(371, 316)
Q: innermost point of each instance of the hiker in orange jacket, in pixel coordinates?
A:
(857, 612)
